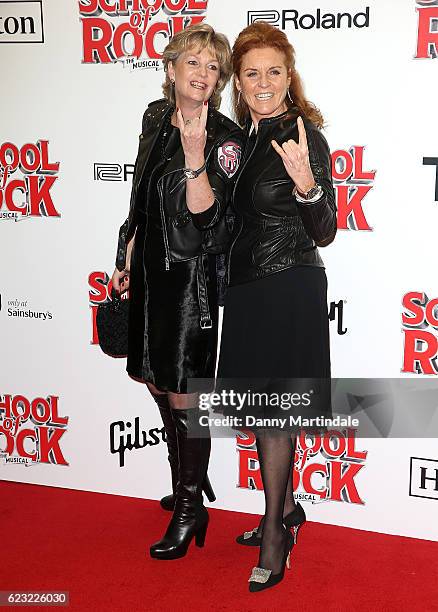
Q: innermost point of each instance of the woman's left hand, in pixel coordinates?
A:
(295, 157)
(193, 137)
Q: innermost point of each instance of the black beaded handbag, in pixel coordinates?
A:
(112, 325)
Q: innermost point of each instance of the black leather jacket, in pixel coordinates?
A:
(183, 233)
(276, 231)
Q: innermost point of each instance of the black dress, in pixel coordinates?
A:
(275, 330)
(167, 346)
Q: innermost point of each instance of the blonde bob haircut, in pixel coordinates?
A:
(199, 37)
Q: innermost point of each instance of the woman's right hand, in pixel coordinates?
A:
(120, 280)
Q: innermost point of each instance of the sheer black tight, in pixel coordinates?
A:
(276, 455)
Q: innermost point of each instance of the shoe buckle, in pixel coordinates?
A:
(248, 534)
(260, 574)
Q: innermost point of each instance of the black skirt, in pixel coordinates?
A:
(167, 346)
(275, 339)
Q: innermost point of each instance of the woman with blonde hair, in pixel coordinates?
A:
(187, 157)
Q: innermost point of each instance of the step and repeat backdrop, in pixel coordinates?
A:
(76, 78)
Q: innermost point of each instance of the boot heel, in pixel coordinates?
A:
(208, 490)
(200, 535)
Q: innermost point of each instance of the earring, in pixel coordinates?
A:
(238, 97)
(289, 96)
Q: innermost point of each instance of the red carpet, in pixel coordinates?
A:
(96, 547)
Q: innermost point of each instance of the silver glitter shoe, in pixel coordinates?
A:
(262, 578)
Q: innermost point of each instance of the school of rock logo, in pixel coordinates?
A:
(318, 19)
(112, 172)
(325, 467)
(127, 30)
(420, 329)
(31, 430)
(427, 30)
(127, 436)
(352, 183)
(28, 195)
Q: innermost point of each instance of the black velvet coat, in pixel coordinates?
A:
(173, 319)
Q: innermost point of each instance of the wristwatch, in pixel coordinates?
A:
(191, 174)
(314, 194)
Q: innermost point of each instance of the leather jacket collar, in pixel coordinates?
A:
(160, 113)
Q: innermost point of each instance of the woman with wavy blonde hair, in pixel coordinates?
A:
(187, 157)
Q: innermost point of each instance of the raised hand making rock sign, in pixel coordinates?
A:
(193, 135)
(295, 156)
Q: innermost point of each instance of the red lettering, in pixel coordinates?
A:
(175, 6)
(119, 40)
(90, 8)
(415, 360)
(426, 38)
(47, 166)
(315, 445)
(21, 402)
(98, 282)
(343, 486)
(197, 5)
(19, 185)
(19, 443)
(359, 173)
(50, 451)
(249, 470)
(306, 478)
(56, 419)
(9, 449)
(430, 315)
(45, 415)
(96, 49)
(107, 7)
(41, 202)
(246, 438)
(9, 148)
(347, 158)
(5, 404)
(95, 335)
(349, 202)
(337, 449)
(32, 164)
(352, 453)
(410, 304)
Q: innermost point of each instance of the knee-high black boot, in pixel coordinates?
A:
(168, 501)
(162, 401)
(190, 517)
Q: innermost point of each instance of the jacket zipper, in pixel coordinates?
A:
(163, 218)
(232, 199)
(163, 223)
